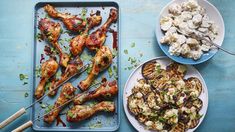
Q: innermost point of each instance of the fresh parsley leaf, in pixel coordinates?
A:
(132, 45)
(126, 51)
(26, 95)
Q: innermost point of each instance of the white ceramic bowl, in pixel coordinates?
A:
(213, 14)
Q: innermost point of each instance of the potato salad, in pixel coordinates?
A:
(187, 18)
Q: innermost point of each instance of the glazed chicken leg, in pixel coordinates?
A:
(70, 70)
(66, 94)
(72, 22)
(105, 90)
(48, 69)
(82, 112)
(51, 31)
(77, 43)
(95, 40)
(100, 62)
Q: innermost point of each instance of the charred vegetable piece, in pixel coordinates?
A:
(194, 85)
(192, 123)
(198, 103)
(152, 102)
(176, 69)
(66, 94)
(142, 86)
(48, 69)
(134, 101)
(149, 70)
(82, 112)
(180, 127)
(100, 62)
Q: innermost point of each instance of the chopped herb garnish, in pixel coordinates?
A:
(43, 106)
(126, 51)
(132, 45)
(70, 114)
(115, 69)
(23, 76)
(26, 95)
(46, 16)
(162, 119)
(86, 57)
(115, 53)
(49, 108)
(48, 84)
(38, 71)
(110, 71)
(58, 74)
(98, 124)
(83, 14)
(89, 69)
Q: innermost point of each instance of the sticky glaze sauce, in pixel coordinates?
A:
(59, 121)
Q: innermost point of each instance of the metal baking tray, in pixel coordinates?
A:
(101, 121)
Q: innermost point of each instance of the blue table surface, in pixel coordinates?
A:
(138, 18)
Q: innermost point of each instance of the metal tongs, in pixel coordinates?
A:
(23, 110)
(30, 123)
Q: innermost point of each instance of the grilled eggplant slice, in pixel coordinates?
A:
(133, 103)
(151, 69)
(176, 69)
(194, 85)
(141, 118)
(180, 127)
(198, 103)
(151, 101)
(142, 87)
(192, 123)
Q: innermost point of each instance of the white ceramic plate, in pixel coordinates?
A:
(164, 61)
(213, 14)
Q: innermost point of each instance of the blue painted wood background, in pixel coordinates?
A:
(138, 18)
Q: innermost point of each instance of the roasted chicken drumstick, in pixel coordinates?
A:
(95, 40)
(48, 69)
(51, 31)
(77, 43)
(82, 112)
(100, 62)
(72, 69)
(66, 94)
(72, 22)
(105, 90)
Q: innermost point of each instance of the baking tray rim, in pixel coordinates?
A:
(113, 3)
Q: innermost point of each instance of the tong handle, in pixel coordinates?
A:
(23, 127)
(12, 117)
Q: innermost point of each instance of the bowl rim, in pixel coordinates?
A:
(180, 58)
(205, 89)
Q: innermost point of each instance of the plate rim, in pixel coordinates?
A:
(158, 58)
